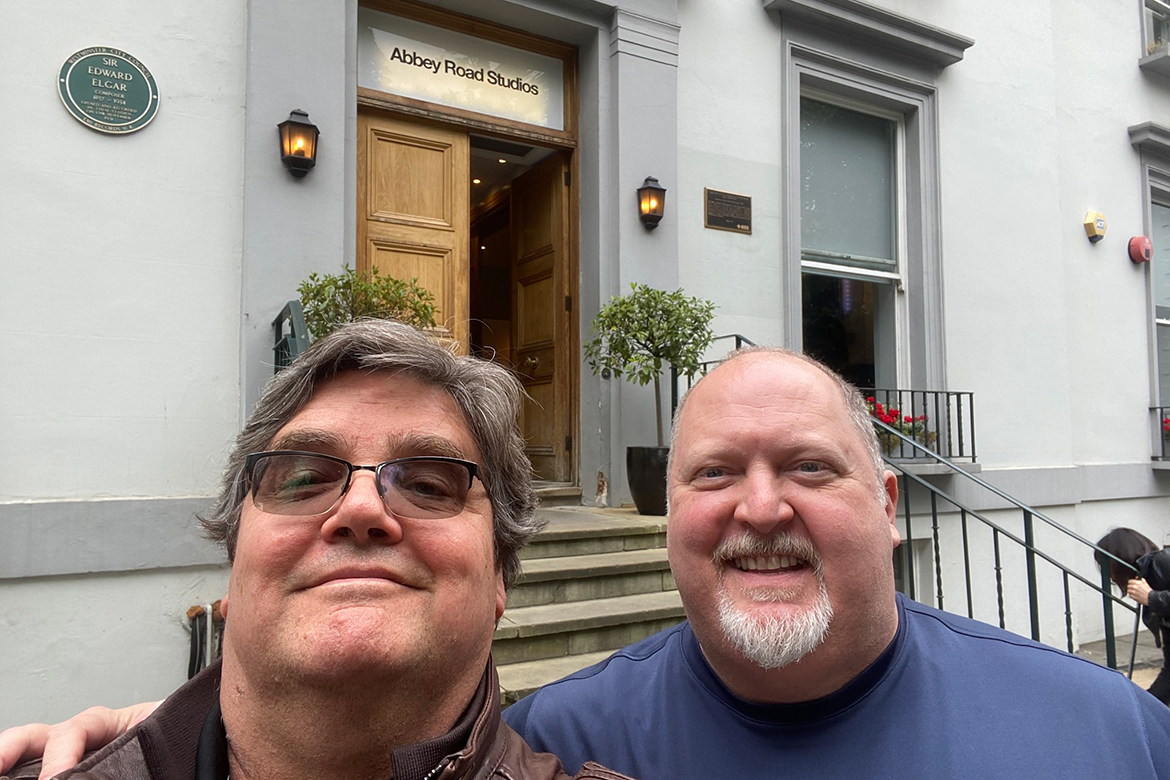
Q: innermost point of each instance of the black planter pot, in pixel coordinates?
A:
(646, 472)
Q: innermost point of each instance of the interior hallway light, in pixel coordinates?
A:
(651, 201)
(298, 143)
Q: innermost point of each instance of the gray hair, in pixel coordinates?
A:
(859, 416)
(487, 394)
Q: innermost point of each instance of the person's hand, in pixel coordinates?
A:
(1139, 590)
(61, 746)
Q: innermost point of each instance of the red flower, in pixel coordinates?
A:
(907, 418)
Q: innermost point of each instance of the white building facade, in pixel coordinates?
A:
(919, 176)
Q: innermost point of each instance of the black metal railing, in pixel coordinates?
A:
(680, 383)
(1161, 417)
(941, 420)
(291, 335)
(951, 525)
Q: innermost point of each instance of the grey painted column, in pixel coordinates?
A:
(644, 78)
(304, 57)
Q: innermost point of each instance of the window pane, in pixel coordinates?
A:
(1161, 259)
(847, 185)
(1156, 23)
(1163, 365)
(848, 325)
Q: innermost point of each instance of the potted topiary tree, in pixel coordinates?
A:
(635, 335)
(330, 300)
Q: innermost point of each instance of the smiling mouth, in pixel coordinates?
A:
(771, 563)
(771, 554)
(360, 575)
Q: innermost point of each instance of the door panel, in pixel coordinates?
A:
(540, 322)
(413, 205)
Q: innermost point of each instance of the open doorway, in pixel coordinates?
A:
(495, 164)
(519, 301)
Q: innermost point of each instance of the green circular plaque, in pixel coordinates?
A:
(108, 90)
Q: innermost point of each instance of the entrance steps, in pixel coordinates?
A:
(593, 581)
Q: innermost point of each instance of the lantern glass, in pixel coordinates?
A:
(651, 202)
(298, 143)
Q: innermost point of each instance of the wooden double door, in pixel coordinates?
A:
(414, 222)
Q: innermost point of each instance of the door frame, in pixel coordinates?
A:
(564, 141)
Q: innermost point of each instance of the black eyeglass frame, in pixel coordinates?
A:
(251, 460)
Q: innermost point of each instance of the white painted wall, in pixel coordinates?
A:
(119, 344)
(729, 139)
(120, 257)
(111, 639)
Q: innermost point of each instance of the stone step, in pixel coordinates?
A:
(557, 494)
(589, 530)
(573, 628)
(584, 577)
(520, 679)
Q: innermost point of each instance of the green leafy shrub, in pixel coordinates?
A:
(329, 300)
(637, 333)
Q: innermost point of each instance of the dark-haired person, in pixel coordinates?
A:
(372, 508)
(1151, 589)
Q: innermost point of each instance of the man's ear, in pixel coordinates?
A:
(501, 595)
(223, 604)
(890, 486)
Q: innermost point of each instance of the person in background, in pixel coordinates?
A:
(1151, 589)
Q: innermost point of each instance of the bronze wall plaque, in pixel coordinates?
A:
(727, 211)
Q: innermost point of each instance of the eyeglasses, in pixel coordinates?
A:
(289, 482)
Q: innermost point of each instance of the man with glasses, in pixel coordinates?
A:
(372, 508)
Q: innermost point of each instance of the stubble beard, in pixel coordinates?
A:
(773, 641)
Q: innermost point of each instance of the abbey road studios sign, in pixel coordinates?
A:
(417, 60)
(727, 211)
(108, 90)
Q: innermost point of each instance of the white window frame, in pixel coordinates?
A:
(842, 271)
(814, 71)
(1156, 176)
(1149, 31)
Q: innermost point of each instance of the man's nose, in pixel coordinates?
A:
(362, 515)
(764, 501)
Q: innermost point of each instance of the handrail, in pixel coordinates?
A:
(1032, 552)
(1010, 499)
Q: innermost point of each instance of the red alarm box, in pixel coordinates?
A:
(1141, 250)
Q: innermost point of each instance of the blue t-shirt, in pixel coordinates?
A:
(949, 698)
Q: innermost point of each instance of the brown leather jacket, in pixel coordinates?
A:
(163, 747)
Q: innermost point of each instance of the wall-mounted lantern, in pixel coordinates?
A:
(651, 200)
(298, 143)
